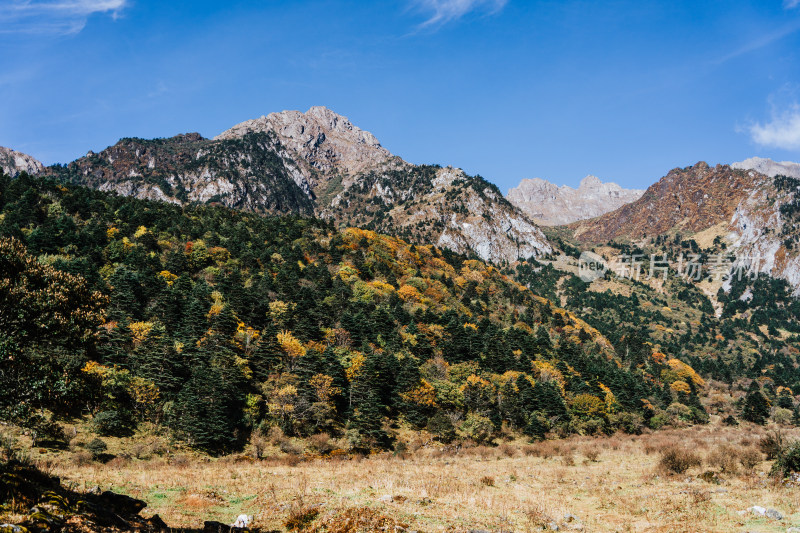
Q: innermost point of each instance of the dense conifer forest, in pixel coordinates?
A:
(216, 324)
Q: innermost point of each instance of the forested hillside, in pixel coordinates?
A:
(217, 323)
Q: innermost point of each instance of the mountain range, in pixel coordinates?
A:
(319, 164)
(551, 205)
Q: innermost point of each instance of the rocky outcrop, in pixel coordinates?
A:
(13, 163)
(768, 167)
(764, 230)
(550, 205)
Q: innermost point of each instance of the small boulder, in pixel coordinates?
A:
(242, 521)
(774, 514)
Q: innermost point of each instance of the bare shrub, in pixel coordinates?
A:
(508, 450)
(677, 460)
(353, 520)
(81, 458)
(591, 453)
(121, 461)
(179, 461)
(750, 458)
(531, 450)
(484, 452)
(290, 448)
(258, 444)
(488, 481)
(158, 447)
(300, 517)
(772, 443)
(725, 458)
(548, 449)
(275, 435)
(537, 517)
(568, 459)
(321, 443)
(141, 450)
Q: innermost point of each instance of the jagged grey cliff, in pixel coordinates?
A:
(13, 162)
(550, 205)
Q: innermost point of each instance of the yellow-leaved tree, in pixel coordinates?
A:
(292, 349)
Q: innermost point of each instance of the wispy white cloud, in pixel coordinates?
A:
(441, 12)
(765, 40)
(782, 131)
(59, 17)
(791, 4)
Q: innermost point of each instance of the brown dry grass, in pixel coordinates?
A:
(619, 486)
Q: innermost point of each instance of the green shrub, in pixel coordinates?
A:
(96, 447)
(536, 427)
(631, 423)
(112, 424)
(441, 427)
(787, 460)
(477, 427)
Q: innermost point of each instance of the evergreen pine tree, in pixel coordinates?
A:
(756, 405)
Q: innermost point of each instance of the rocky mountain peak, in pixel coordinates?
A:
(328, 142)
(551, 205)
(591, 182)
(13, 163)
(690, 199)
(768, 167)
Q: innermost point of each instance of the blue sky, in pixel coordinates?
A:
(507, 89)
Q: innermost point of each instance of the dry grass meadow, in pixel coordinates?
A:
(614, 483)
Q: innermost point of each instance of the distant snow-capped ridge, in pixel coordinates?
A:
(552, 205)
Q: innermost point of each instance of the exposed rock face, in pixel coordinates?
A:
(13, 162)
(768, 167)
(757, 214)
(550, 205)
(687, 199)
(764, 228)
(318, 163)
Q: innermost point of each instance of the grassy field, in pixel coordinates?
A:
(615, 483)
